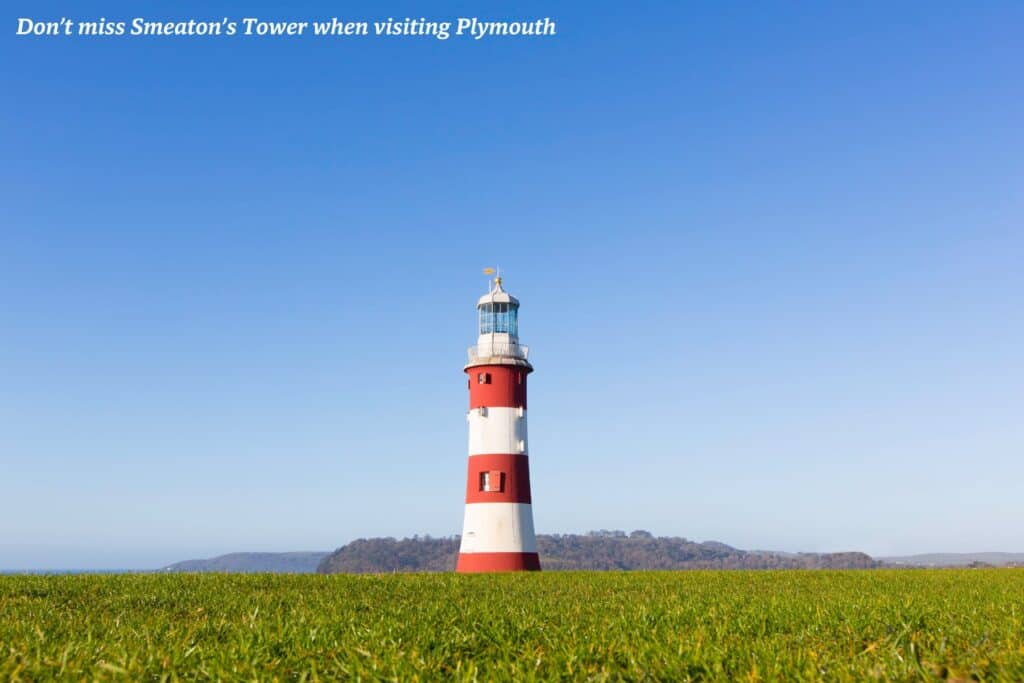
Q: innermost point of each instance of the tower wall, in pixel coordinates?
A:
(496, 430)
(498, 532)
(497, 386)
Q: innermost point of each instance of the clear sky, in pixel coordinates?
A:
(769, 257)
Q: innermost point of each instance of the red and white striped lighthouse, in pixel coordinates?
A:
(497, 534)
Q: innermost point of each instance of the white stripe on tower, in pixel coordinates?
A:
(497, 430)
(499, 528)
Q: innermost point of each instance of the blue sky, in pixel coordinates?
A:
(769, 261)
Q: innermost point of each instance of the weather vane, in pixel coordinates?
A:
(494, 271)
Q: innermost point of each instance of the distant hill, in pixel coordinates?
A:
(595, 550)
(241, 563)
(956, 559)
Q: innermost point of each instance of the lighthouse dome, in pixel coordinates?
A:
(497, 295)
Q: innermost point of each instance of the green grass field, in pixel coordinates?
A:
(729, 625)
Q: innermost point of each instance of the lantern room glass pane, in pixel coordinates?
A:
(501, 318)
(486, 319)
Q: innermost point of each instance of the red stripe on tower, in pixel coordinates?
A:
(498, 478)
(498, 562)
(497, 533)
(497, 386)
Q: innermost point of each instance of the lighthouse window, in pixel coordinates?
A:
(483, 377)
(486, 318)
(501, 318)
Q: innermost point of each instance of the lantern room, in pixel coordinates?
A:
(497, 326)
(499, 317)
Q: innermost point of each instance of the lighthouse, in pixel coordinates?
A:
(497, 532)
